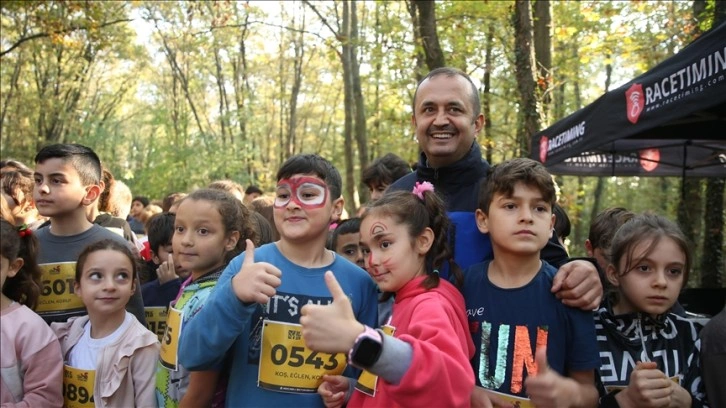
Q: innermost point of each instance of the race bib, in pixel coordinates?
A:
(57, 293)
(518, 402)
(78, 387)
(170, 342)
(156, 320)
(367, 382)
(286, 365)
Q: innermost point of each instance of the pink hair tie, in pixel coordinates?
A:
(332, 226)
(420, 188)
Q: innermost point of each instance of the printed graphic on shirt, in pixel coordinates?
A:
(507, 352)
(625, 341)
(57, 293)
(287, 365)
(78, 387)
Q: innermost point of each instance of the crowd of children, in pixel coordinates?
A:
(248, 302)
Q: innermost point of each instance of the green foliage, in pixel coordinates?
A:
(176, 94)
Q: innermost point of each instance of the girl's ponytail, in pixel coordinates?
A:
(440, 253)
(20, 242)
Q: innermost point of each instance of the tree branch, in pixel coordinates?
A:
(67, 30)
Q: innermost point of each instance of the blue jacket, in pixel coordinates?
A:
(458, 184)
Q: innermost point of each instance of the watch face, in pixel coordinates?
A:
(367, 352)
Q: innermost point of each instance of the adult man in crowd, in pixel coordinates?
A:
(446, 118)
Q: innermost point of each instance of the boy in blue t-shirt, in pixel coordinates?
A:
(529, 344)
(253, 315)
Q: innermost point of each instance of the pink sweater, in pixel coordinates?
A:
(440, 375)
(31, 364)
(125, 368)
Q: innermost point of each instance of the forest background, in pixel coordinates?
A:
(175, 94)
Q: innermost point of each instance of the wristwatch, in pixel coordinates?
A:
(366, 349)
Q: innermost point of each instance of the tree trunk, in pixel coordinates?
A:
(348, 105)
(429, 37)
(377, 74)
(419, 55)
(487, 97)
(299, 50)
(543, 52)
(580, 232)
(712, 260)
(529, 112)
(360, 107)
(13, 88)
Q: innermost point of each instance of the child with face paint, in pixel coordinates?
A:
(421, 358)
(254, 312)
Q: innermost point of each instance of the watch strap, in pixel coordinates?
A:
(368, 333)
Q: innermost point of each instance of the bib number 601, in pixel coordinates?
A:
(296, 358)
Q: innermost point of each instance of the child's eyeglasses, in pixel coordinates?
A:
(307, 192)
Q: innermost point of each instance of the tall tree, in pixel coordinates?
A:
(425, 18)
(543, 54)
(529, 110)
(713, 269)
(354, 105)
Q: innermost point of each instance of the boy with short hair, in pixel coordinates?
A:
(162, 290)
(383, 172)
(67, 180)
(602, 230)
(345, 240)
(254, 312)
(529, 344)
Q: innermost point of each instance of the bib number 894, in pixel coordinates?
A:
(77, 394)
(296, 358)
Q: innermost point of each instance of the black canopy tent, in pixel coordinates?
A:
(670, 121)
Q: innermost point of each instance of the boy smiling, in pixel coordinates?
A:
(254, 313)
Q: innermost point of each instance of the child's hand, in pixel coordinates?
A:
(256, 281)
(577, 284)
(481, 398)
(548, 388)
(167, 271)
(331, 328)
(648, 387)
(333, 390)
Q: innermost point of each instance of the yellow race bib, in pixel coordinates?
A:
(156, 320)
(57, 293)
(286, 365)
(518, 402)
(170, 342)
(78, 387)
(367, 382)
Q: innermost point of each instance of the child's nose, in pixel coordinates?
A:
(525, 214)
(109, 284)
(660, 279)
(187, 240)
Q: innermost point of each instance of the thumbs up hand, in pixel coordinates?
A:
(256, 282)
(330, 328)
(548, 388)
